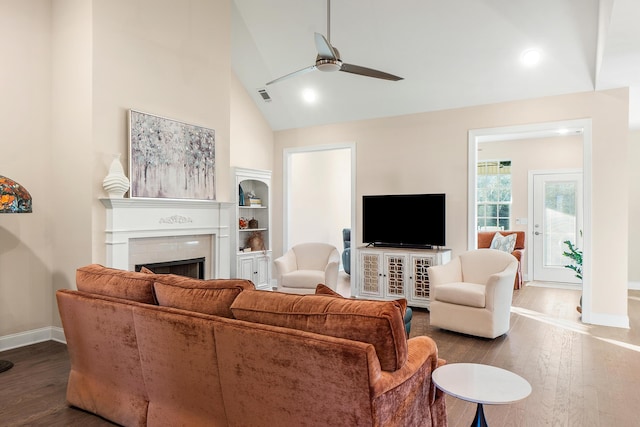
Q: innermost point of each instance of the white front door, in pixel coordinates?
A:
(557, 217)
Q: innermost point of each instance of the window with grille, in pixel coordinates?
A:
(494, 194)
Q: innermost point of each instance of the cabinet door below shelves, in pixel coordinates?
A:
(261, 278)
(255, 267)
(245, 268)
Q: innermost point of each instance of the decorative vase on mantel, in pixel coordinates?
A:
(116, 182)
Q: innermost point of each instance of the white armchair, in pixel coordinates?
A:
(306, 265)
(472, 294)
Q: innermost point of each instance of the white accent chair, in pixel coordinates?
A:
(306, 265)
(472, 294)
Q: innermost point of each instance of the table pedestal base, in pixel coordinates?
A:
(5, 365)
(479, 420)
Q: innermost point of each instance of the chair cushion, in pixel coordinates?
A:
(130, 285)
(202, 296)
(462, 293)
(302, 279)
(503, 243)
(379, 323)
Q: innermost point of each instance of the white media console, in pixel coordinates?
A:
(391, 273)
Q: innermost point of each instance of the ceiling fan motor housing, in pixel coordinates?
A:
(328, 65)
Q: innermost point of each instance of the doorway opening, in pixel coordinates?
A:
(523, 132)
(319, 197)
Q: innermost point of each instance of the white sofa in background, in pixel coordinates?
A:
(306, 265)
(472, 294)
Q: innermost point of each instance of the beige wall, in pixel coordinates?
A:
(634, 209)
(77, 68)
(25, 124)
(251, 135)
(428, 153)
(529, 155)
(320, 196)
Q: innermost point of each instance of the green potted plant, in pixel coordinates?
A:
(575, 255)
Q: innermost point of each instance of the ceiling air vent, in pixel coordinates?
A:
(263, 93)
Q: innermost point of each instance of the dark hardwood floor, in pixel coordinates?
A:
(581, 375)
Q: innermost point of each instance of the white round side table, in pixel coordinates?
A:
(481, 384)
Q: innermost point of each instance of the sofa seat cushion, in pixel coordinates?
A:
(302, 279)
(462, 293)
(130, 285)
(379, 323)
(203, 296)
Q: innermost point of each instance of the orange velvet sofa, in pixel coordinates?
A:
(154, 350)
(484, 241)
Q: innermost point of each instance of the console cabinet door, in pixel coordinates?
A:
(371, 269)
(395, 275)
(419, 286)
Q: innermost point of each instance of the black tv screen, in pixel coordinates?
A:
(404, 220)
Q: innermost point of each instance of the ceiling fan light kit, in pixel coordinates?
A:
(328, 59)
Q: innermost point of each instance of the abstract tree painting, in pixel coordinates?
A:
(170, 159)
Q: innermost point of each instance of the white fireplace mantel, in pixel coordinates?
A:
(130, 218)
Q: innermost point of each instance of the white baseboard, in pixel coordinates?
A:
(634, 286)
(34, 336)
(615, 321)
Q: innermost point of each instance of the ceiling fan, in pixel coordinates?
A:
(328, 59)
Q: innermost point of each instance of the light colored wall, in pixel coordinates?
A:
(25, 124)
(165, 59)
(71, 142)
(71, 71)
(527, 155)
(320, 197)
(428, 153)
(634, 209)
(251, 135)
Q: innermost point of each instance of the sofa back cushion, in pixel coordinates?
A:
(379, 323)
(202, 296)
(130, 285)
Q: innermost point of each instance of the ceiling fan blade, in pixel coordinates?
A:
(295, 73)
(364, 71)
(325, 50)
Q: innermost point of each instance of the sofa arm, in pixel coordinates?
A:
(499, 288)
(331, 270)
(408, 396)
(285, 264)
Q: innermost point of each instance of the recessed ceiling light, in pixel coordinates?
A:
(530, 57)
(309, 95)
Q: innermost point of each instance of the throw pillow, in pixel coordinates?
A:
(504, 243)
(325, 290)
(130, 285)
(203, 296)
(378, 323)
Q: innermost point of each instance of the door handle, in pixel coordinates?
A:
(537, 233)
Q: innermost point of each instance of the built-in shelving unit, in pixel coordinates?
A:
(252, 189)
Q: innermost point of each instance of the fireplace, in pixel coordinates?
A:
(164, 231)
(185, 267)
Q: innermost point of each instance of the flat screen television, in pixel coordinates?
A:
(404, 220)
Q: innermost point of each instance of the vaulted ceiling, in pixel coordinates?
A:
(451, 54)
